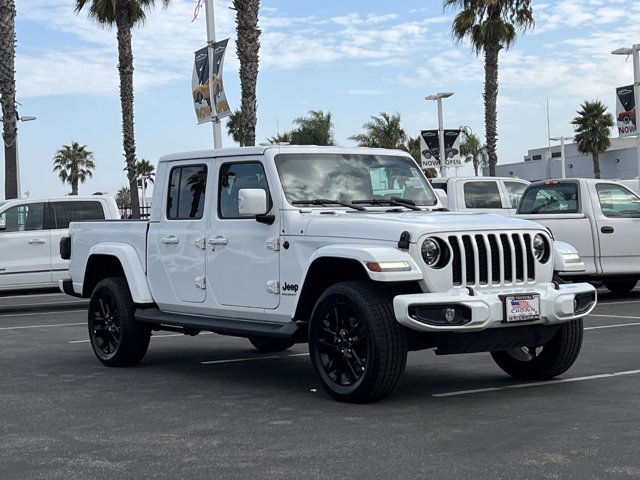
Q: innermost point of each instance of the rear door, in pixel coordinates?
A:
(617, 214)
(176, 241)
(25, 257)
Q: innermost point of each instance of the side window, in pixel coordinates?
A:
(23, 218)
(514, 192)
(616, 201)
(235, 176)
(481, 195)
(187, 186)
(66, 212)
(552, 198)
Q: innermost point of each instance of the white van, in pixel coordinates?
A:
(30, 233)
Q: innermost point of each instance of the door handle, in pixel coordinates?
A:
(170, 240)
(217, 241)
(606, 229)
(36, 241)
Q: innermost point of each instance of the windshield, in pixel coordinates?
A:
(349, 177)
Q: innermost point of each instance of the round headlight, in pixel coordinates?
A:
(431, 251)
(540, 248)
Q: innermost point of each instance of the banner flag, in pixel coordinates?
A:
(430, 148)
(207, 79)
(626, 111)
(220, 104)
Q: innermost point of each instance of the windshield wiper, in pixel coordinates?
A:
(324, 201)
(402, 202)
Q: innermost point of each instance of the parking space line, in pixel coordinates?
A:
(42, 326)
(250, 359)
(152, 336)
(613, 326)
(11, 315)
(536, 384)
(615, 302)
(614, 316)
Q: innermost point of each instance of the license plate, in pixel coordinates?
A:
(521, 308)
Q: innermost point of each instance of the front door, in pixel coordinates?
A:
(618, 224)
(242, 253)
(176, 243)
(25, 247)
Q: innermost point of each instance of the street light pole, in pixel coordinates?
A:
(635, 50)
(211, 41)
(562, 158)
(438, 98)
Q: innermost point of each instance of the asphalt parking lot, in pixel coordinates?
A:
(210, 407)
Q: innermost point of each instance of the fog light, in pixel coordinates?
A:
(582, 302)
(449, 314)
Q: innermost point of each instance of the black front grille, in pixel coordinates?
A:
(491, 259)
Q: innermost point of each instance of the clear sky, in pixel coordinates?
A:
(353, 58)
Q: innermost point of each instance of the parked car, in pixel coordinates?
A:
(481, 194)
(284, 244)
(600, 218)
(30, 232)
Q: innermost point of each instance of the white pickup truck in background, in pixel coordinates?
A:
(30, 233)
(340, 248)
(480, 194)
(600, 218)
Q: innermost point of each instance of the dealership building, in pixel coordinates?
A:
(620, 161)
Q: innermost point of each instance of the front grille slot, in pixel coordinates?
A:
(491, 259)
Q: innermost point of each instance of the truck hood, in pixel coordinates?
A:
(379, 225)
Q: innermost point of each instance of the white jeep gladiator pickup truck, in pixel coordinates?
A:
(342, 248)
(600, 218)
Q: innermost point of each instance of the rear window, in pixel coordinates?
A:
(482, 195)
(551, 198)
(65, 212)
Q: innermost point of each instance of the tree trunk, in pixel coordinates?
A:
(596, 165)
(491, 103)
(247, 47)
(125, 69)
(475, 165)
(8, 100)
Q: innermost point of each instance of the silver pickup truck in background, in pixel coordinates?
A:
(600, 218)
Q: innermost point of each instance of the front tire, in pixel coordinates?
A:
(621, 287)
(117, 339)
(545, 361)
(357, 347)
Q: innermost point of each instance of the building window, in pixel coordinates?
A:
(537, 157)
(556, 155)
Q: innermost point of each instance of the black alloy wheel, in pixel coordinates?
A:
(117, 339)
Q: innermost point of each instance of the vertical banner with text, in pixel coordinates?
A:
(430, 148)
(206, 83)
(626, 111)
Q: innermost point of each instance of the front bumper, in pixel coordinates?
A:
(485, 308)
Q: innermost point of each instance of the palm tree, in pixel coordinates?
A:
(234, 127)
(247, 47)
(124, 14)
(490, 25)
(315, 129)
(123, 197)
(592, 131)
(472, 149)
(146, 170)
(75, 164)
(382, 132)
(8, 96)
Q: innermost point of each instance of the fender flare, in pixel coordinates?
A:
(131, 265)
(368, 253)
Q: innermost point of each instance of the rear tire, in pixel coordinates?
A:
(621, 287)
(117, 339)
(269, 345)
(357, 347)
(545, 361)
